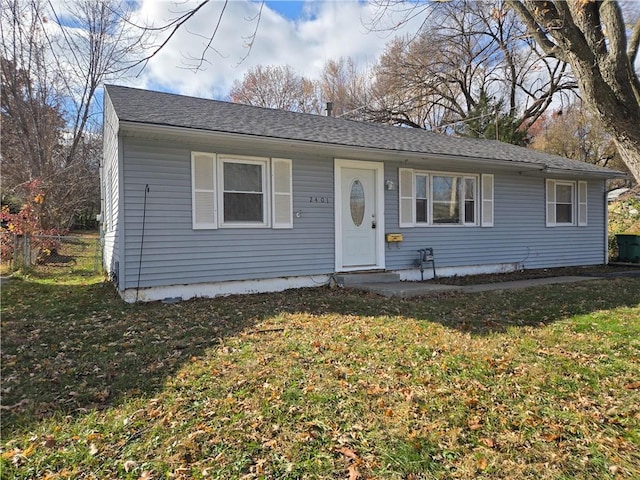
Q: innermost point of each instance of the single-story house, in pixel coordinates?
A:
(206, 198)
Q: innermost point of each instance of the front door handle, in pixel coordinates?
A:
(373, 224)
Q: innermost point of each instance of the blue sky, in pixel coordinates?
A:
(287, 8)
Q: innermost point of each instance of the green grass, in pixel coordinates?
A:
(319, 383)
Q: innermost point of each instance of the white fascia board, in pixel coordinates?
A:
(558, 172)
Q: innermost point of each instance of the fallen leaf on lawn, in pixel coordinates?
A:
(474, 424)
(632, 385)
(49, 441)
(347, 452)
(483, 463)
(93, 436)
(354, 474)
(489, 442)
(29, 450)
(93, 449)
(10, 453)
(146, 475)
(130, 465)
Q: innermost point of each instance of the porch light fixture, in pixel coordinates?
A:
(390, 184)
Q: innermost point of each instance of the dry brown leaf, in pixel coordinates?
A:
(49, 441)
(489, 442)
(474, 424)
(354, 474)
(347, 452)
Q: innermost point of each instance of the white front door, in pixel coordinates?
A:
(359, 215)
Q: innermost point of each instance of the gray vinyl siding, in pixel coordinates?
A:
(519, 234)
(109, 187)
(173, 253)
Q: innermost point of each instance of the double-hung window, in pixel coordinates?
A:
(243, 185)
(435, 198)
(235, 191)
(566, 203)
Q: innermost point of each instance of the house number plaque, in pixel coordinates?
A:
(318, 199)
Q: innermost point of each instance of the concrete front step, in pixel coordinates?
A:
(355, 279)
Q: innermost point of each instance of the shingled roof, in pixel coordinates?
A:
(166, 109)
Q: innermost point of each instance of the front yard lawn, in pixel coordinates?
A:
(539, 383)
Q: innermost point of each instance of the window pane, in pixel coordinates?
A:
(564, 194)
(421, 186)
(469, 188)
(446, 212)
(564, 213)
(446, 199)
(469, 211)
(356, 203)
(421, 211)
(243, 207)
(444, 188)
(242, 177)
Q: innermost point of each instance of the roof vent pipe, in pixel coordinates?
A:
(329, 109)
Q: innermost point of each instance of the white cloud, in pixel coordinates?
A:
(326, 30)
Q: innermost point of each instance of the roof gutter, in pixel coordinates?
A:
(607, 174)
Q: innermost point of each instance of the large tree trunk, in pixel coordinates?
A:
(614, 103)
(592, 38)
(629, 150)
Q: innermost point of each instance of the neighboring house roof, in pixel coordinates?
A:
(617, 193)
(166, 109)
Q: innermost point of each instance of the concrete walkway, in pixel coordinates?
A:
(416, 289)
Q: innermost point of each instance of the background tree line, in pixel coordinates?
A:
(52, 72)
(558, 76)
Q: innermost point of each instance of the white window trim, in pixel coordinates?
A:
(430, 174)
(266, 204)
(576, 205)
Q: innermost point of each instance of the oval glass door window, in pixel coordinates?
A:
(356, 203)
